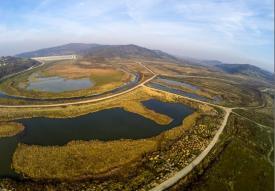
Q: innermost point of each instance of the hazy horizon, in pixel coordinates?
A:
(229, 31)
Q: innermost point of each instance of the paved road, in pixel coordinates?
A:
(269, 154)
(85, 101)
(260, 125)
(268, 130)
(179, 175)
(42, 61)
(30, 68)
(171, 181)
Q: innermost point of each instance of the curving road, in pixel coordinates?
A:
(42, 61)
(173, 180)
(182, 173)
(179, 175)
(30, 68)
(84, 101)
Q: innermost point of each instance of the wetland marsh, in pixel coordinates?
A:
(66, 79)
(120, 125)
(145, 134)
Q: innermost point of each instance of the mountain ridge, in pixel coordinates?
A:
(245, 69)
(98, 50)
(135, 51)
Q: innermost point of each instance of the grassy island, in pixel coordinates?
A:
(9, 129)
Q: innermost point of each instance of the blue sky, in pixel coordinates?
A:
(229, 30)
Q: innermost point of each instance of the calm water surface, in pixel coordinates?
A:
(123, 87)
(58, 84)
(179, 92)
(110, 124)
(169, 81)
(216, 99)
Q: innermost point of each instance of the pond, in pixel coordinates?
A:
(216, 99)
(105, 125)
(136, 79)
(179, 92)
(58, 84)
(174, 82)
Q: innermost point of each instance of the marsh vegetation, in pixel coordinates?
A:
(64, 79)
(243, 161)
(9, 129)
(136, 140)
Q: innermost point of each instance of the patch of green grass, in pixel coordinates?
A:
(258, 117)
(239, 169)
(243, 164)
(263, 114)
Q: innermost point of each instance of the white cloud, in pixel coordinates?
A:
(212, 29)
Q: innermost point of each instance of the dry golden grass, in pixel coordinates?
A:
(84, 159)
(188, 122)
(69, 70)
(105, 79)
(172, 69)
(138, 108)
(93, 159)
(9, 129)
(137, 95)
(90, 159)
(79, 159)
(73, 110)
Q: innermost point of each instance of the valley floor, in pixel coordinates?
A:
(229, 133)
